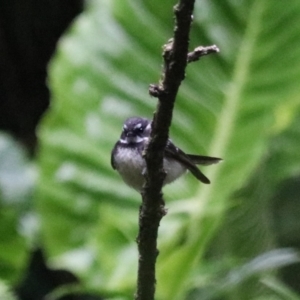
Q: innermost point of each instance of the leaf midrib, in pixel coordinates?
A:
(221, 140)
(233, 97)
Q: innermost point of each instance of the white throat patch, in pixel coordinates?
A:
(132, 140)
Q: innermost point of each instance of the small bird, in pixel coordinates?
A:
(127, 156)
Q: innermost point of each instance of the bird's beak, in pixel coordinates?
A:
(132, 138)
(129, 134)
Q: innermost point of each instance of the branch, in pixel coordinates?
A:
(152, 210)
(201, 51)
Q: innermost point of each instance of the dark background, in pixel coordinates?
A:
(29, 31)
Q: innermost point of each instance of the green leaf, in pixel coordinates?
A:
(227, 107)
(18, 223)
(262, 268)
(280, 289)
(5, 292)
(243, 125)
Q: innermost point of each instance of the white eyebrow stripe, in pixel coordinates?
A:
(125, 126)
(148, 127)
(137, 126)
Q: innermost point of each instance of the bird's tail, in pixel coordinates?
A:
(204, 160)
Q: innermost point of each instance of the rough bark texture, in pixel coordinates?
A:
(152, 208)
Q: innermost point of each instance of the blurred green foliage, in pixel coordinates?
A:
(17, 220)
(217, 241)
(5, 293)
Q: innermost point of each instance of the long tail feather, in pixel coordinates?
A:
(204, 160)
(198, 174)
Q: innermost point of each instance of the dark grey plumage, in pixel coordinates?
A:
(127, 157)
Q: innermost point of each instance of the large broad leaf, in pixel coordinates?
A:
(227, 107)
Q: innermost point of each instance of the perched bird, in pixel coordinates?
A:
(127, 156)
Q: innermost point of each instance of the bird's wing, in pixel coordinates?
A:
(177, 154)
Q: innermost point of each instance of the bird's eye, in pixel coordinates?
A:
(139, 130)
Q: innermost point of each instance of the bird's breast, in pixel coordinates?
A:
(131, 165)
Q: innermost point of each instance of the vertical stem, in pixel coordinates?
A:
(152, 209)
